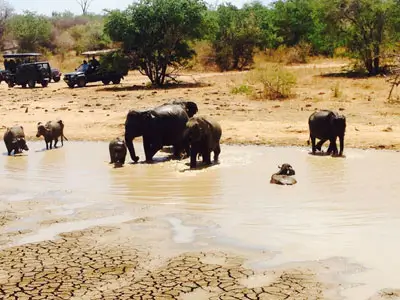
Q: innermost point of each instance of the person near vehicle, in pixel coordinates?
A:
(94, 62)
(85, 66)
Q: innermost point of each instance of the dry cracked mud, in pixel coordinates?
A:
(76, 266)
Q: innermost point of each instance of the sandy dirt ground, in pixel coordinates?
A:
(104, 262)
(98, 112)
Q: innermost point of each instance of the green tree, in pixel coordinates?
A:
(30, 30)
(368, 27)
(5, 13)
(237, 37)
(155, 34)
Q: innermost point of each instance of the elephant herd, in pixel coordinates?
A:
(175, 124)
(170, 124)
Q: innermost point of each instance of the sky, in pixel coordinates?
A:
(46, 7)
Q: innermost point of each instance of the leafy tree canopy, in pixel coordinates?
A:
(155, 34)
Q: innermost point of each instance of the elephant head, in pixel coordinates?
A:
(193, 132)
(339, 128)
(286, 169)
(136, 124)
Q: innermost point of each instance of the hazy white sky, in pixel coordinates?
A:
(48, 6)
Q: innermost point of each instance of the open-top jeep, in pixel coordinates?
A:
(25, 69)
(91, 70)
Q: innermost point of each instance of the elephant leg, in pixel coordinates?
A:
(55, 143)
(147, 149)
(341, 140)
(312, 144)
(151, 148)
(111, 157)
(217, 151)
(332, 149)
(318, 146)
(207, 157)
(193, 158)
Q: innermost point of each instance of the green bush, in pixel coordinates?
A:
(115, 62)
(242, 89)
(277, 83)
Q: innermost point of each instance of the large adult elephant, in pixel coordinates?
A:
(160, 126)
(327, 125)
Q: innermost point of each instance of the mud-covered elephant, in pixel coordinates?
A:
(117, 149)
(327, 125)
(160, 126)
(51, 131)
(14, 139)
(202, 136)
(284, 175)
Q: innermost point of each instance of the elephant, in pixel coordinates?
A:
(14, 138)
(117, 148)
(283, 176)
(189, 106)
(52, 130)
(161, 126)
(202, 136)
(327, 125)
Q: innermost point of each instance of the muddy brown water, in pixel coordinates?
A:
(340, 208)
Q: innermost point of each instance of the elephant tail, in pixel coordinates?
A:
(308, 142)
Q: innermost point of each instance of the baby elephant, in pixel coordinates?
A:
(52, 130)
(14, 138)
(283, 176)
(202, 136)
(117, 149)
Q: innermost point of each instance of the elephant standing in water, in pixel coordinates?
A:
(327, 125)
(161, 126)
(202, 136)
(117, 149)
(14, 138)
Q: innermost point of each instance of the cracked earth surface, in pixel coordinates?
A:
(76, 266)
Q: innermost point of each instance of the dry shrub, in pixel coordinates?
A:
(276, 82)
(204, 60)
(298, 54)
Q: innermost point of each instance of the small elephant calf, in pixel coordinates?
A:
(202, 136)
(117, 148)
(14, 138)
(52, 130)
(283, 176)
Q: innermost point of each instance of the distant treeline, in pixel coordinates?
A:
(362, 29)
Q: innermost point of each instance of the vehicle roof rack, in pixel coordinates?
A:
(11, 55)
(99, 52)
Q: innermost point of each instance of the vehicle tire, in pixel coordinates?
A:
(31, 83)
(10, 84)
(45, 83)
(106, 82)
(81, 82)
(56, 79)
(116, 80)
(71, 85)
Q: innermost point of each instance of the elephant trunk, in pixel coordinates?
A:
(131, 148)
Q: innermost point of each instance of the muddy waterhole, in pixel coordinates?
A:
(341, 208)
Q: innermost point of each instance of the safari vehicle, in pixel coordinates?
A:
(93, 71)
(25, 69)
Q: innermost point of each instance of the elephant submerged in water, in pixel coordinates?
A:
(202, 136)
(283, 176)
(160, 126)
(327, 125)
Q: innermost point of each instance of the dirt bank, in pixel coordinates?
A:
(98, 112)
